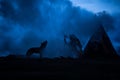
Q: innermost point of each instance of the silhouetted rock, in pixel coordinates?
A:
(100, 46)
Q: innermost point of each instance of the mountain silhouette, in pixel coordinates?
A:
(99, 46)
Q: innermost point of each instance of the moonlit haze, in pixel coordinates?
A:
(26, 23)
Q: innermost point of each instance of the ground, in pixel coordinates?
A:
(59, 68)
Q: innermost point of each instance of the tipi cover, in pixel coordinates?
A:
(100, 46)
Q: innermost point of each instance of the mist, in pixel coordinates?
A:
(26, 23)
(110, 6)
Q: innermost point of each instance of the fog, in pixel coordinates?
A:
(26, 23)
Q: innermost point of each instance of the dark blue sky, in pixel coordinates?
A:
(26, 23)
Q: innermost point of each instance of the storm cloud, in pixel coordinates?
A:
(26, 23)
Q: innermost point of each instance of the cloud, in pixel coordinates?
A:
(26, 23)
(95, 6)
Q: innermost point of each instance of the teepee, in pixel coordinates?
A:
(99, 46)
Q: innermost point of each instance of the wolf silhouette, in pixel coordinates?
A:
(74, 43)
(37, 50)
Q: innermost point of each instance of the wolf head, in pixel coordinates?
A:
(44, 44)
